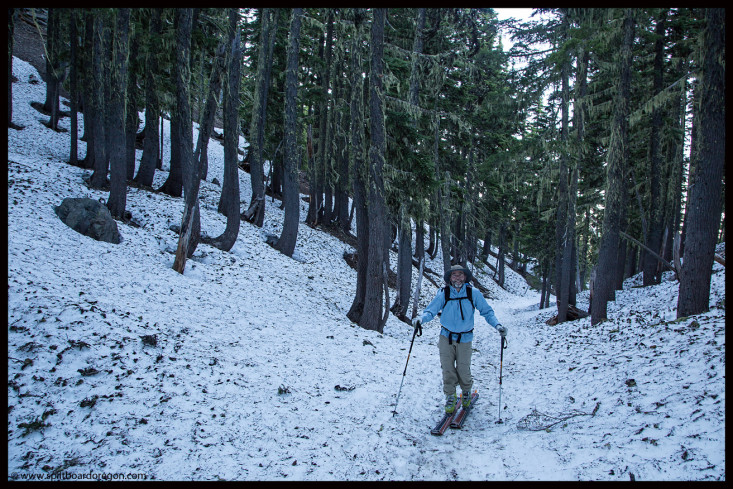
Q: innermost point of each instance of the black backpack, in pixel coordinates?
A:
(469, 296)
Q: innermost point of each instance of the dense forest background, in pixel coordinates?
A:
(595, 145)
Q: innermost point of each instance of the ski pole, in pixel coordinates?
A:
(501, 365)
(414, 333)
(414, 315)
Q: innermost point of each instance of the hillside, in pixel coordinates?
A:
(246, 368)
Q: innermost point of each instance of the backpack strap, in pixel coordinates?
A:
(469, 296)
(451, 333)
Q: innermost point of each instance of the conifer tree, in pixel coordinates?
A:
(358, 165)
(604, 290)
(705, 192)
(118, 165)
(268, 21)
(189, 235)
(288, 237)
(378, 259)
(150, 157)
(231, 137)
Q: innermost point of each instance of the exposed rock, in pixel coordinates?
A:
(90, 218)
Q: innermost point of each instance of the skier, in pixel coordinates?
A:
(456, 333)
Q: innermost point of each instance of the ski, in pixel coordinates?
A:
(442, 424)
(460, 417)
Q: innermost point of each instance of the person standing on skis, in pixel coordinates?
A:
(457, 302)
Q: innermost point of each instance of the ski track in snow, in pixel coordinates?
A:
(257, 374)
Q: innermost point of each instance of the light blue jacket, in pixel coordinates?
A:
(450, 318)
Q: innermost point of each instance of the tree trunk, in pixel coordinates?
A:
(50, 57)
(201, 154)
(55, 69)
(372, 317)
(442, 198)
(132, 120)
(98, 179)
(159, 166)
(325, 133)
(502, 251)
(87, 88)
(190, 169)
(486, 249)
(356, 155)
(705, 192)
(404, 261)
(609, 248)
(177, 178)
(562, 243)
(651, 272)
(419, 240)
(404, 265)
(107, 48)
(118, 148)
(231, 96)
(256, 212)
(545, 286)
(675, 164)
(291, 195)
(11, 39)
(11, 26)
(580, 113)
(150, 157)
(431, 241)
(315, 173)
(342, 162)
(231, 139)
(74, 95)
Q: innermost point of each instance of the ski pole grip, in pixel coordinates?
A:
(418, 329)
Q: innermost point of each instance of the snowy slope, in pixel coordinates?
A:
(257, 374)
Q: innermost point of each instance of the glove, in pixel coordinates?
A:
(417, 324)
(502, 330)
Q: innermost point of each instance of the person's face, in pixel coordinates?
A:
(457, 279)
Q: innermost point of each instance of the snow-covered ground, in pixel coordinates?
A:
(257, 374)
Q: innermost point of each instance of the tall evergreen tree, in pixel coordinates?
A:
(100, 163)
(404, 261)
(231, 137)
(74, 89)
(603, 290)
(705, 191)
(56, 68)
(377, 254)
(150, 157)
(174, 184)
(563, 236)
(201, 154)
(268, 30)
(358, 164)
(188, 237)
(117, 107)
(656, 208)
(291, 197)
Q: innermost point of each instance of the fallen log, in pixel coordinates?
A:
(655, 255)
(573, 314)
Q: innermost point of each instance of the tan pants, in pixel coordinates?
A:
(455, 361)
